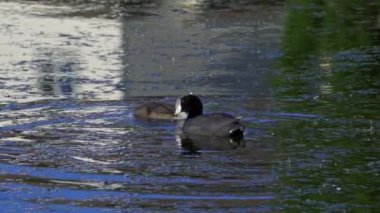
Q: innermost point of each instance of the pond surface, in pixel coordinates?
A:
(304, 77)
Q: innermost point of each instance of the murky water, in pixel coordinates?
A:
(304, 77)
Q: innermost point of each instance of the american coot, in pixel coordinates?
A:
(214, 125)
(155, 110)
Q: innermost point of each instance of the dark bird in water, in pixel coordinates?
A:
(213, 125)
(154, 110)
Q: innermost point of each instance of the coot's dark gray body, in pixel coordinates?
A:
(213, 125)
(217, 124)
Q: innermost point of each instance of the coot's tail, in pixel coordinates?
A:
(237, 131)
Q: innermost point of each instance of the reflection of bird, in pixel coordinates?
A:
(154, 110)
(214, 125)
(194, 144)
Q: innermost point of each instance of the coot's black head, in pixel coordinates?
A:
(189, 106)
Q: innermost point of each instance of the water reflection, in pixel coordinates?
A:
(192, 145)
(57, 73)
(330, 62)
(329, 67)
(194, 49)
(73, 57)
(313, 134)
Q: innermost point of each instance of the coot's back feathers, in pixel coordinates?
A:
(217, 124)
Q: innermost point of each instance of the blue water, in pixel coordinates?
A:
(306, 90)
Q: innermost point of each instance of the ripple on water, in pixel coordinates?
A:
(97, 154)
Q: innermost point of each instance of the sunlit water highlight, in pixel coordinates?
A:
(72, 74)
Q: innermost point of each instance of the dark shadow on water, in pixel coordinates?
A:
(195, 145)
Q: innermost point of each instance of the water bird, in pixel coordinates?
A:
(190, 107)
(155, 110)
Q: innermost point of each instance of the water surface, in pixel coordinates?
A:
(303, 77)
